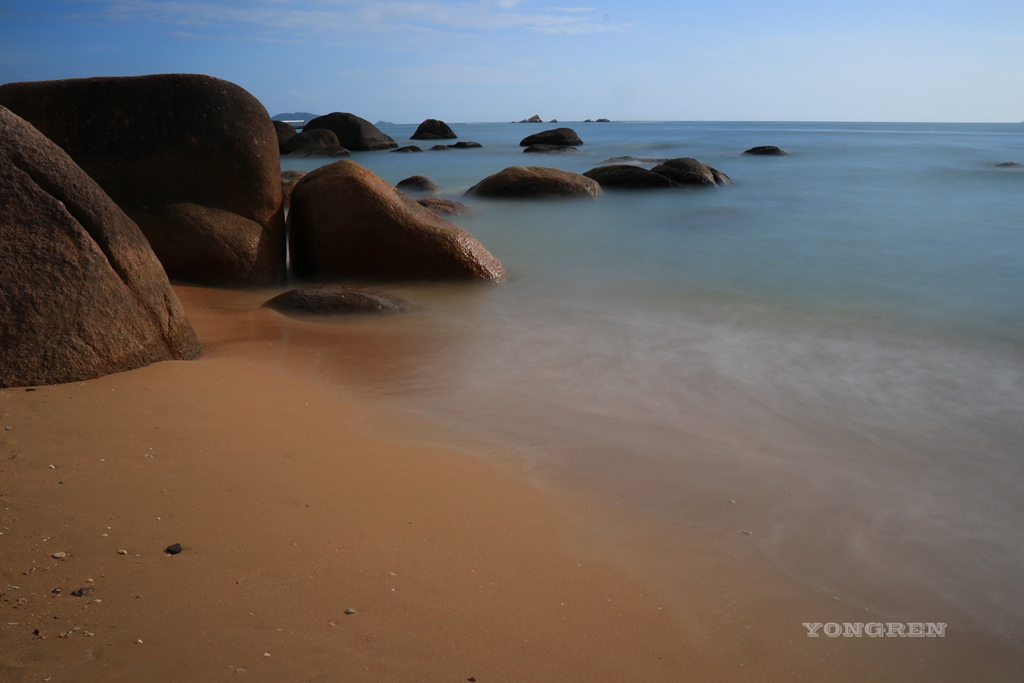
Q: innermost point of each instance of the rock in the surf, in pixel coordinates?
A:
(555, 136)
(540, 148)
(417, 183)
(535, 182)
(627, 176)
(346, 223)
(432, 129)
(688, 171)
(81, 293)
(354, 133)
(767, 151)
(152, 142)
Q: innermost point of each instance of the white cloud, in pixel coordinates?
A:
(350, 16)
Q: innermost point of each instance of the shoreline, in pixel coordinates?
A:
(292, 510)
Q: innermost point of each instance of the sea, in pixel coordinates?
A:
(825, 358)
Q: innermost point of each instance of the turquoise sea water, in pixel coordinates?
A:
(835, 342)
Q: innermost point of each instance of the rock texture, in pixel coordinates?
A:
(767, 150)
(314, 143)
(535, 181)
(81, 293)
(175, 140)
(443, 207)
(346, 223)
(627, 176)
(288, 180)
(353, 132)
(555, 136)
(332, 300)
(432, 129)
(687, 171)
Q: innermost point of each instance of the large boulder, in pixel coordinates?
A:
(535, 182)
(627, 176)
(81, 293)
(314, 143)
(346, 223)
(353, 132)
(172, 140)
(555, 136)
(432, 129)
(687, 171)
(332, 300)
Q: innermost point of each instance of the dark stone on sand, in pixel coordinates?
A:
(555, 136)
(767, 150)
(285, 132)
(535, 182)
(353, 133)
(173, 549)
(170, 140)
(688, 171)
(319, 142)
(81, 592)
(550, 148)
(81, 293)
(408, 148)
(417, 183)
(466, 145)
(432, 129)
(346, 222)
(443, 207)
(329, 300)
(288, 180)
(626, 176)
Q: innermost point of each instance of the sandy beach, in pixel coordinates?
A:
(325, 539)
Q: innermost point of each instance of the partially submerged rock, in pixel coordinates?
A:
(417, 183)
(688, 171)
(767, 150)
(627, 176)
(432, 129)
(353, 133)
(408, 148)
(1009, 164)
(555, 136)
(537, 182)
(468, 144)
(332, 300)
(152, 142)
(285, 132)
(541, 148)
(345, 222)
(81, 293)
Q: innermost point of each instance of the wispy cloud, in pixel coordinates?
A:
(359, 16)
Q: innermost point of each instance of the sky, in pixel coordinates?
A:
(503, 60)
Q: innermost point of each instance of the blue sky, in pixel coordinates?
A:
(499, 60)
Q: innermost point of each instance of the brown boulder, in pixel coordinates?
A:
(330, 300)
(687, 171)
(417, 183)
(627, 176)
(345, 222)
(81, 293)
(173, 139)
(432, 129)
(353, 132)
(288, 180)
(314, 143)
(535, 181)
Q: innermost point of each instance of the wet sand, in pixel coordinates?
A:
(293, 504)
